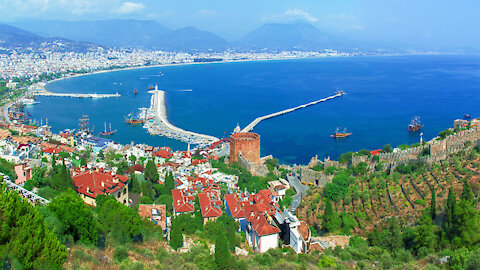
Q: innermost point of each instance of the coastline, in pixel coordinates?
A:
(230, 61)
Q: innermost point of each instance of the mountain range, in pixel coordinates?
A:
(147, 34)
(15, 38)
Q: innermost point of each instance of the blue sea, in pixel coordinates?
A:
(383, 95)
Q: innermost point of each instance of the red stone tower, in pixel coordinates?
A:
(247, 144)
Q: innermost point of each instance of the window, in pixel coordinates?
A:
(118, 194)
(125, 191)
(124, 201)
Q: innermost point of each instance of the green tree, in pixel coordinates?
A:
(433, 206)
(54, 161)
(118, 219)
(151, 173)
(425, 235)
(77, 218)
(83, 161)
(24, 236)
(176, 237)
(451, 211)
(467, 193)
(222, 253)
(101, 155)
(387, 148)
(468, 224)
(132, 159)
(169, 184)
(392, 236)
(331, 220)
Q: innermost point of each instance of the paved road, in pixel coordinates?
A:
(294, 180)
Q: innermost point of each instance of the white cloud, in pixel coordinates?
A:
(208, 12)
(298, 13)
(290, 15)
(130, 7)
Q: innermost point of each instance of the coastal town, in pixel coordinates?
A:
(87, 158)
(214, 182)
(31, 65)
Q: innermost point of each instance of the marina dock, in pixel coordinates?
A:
(261, 118)
(161, 126)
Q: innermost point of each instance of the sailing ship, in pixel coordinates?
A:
(83, 124)
(133, 119)
(135, 91)
(339, 134)
(415, 124)
(108, 132)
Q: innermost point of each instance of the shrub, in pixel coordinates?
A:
(120, 254)
(326, 261)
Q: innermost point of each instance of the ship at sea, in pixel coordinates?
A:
(133, 119)
(415, 124)
(151, 87)
(135, 91)
(342, 134)
(109, 131)
(83, 126)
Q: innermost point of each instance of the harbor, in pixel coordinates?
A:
(156, 123)
(257, 120)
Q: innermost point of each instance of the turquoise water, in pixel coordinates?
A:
(383, 94)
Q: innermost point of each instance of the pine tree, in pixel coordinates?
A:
(433, 206)
(331, 220)
(467, 194)
(222, 254)
(83, 161)
(451, 209)
(176, 238)
(151, 172)
(131, 180)
(169, 184)
(468, 224)
(54, 161)
(394, 239)
(425, 235)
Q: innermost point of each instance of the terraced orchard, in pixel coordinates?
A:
(361, 201)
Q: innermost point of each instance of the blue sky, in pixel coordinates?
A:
(442, 22)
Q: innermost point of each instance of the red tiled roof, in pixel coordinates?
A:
(90, 183)
(181, 203)
(163, 154)
(170, 164)
(376, 152)
(208, 200)
(261, 226)
(232, 201)
(137, 167)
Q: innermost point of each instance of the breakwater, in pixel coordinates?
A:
(156, 123)
(39, 90)
(257, 120)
